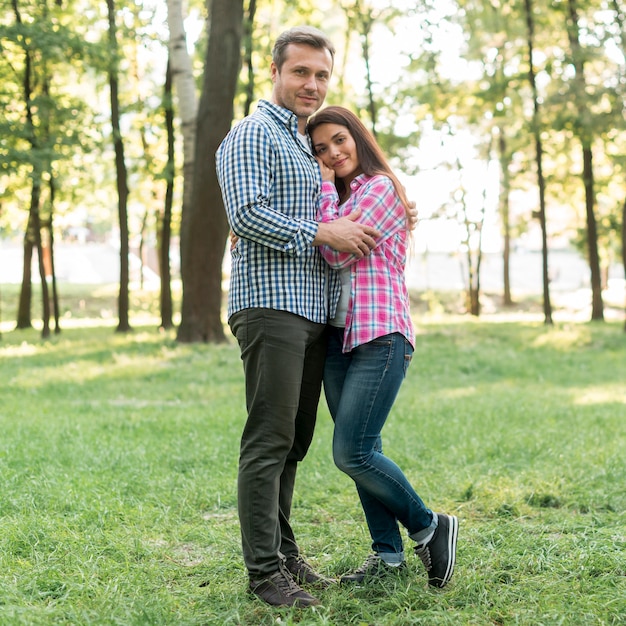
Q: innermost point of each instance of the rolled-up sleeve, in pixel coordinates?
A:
(380, 208)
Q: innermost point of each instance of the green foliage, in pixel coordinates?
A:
(458, 65)
(272, 18)
(46, 119)
(55, 96)
(119, 458)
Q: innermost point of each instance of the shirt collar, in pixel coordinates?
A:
(283, 116)
(359, 180)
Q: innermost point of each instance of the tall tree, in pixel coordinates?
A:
(495, 43)
(504, 156)
(536, 130)
(32, 236)
(620, 19)
(53, 274)
(248, 55)
(121, 174)
(584, 130)
(361, 17)
(624, 249)
(205, 239)
(35, 129)
(164, 230)
(187, 101)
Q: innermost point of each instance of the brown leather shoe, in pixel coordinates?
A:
(304, 574)
(280, 589)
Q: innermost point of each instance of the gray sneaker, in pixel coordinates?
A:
(373, 568)
(280, 589)
(439, 554)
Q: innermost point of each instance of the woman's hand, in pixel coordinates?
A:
(327, 172)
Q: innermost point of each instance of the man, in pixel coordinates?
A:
(278, 303)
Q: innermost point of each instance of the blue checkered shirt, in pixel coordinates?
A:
(270, 185)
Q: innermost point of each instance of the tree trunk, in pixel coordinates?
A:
(478, 253)
(366, 20)
(547, 307)
(184, 82)
(585, 136)
(619, 19)
(505, 216)
(0, 296)
(26, 292)
(55, 294)
(624, 249)
(142, 248)
(121, 177)
(206, 237)
(597, 306)
(35, 200)
(165, 227)
(26, 289)
(53, 284)
(248, 48)
(473, 261)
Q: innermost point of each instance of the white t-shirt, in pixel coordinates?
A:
(342, 306)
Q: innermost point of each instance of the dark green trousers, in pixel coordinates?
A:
(283, 359)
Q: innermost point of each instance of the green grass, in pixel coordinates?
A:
(118, 461)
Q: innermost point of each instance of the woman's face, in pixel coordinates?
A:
(335, 146)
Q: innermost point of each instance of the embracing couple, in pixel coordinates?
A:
(317, 293)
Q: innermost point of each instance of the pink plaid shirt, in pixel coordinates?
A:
(379, 299)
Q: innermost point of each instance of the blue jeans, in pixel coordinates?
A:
(360, 388)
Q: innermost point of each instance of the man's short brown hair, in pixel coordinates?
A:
(307, 35)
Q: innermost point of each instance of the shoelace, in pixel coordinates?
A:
(304, 572)
(371, 561)
(283, 580)
(424, 554)
(299, 565)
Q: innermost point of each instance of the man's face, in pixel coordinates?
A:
(302, 82)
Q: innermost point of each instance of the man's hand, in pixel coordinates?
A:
(412, 215)
(233, 239)
(347, 235)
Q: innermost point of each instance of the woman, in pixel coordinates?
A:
(371, 343)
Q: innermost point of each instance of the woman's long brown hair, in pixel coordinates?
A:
(371, 158)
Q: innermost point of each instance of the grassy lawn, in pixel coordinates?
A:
(118, 460)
